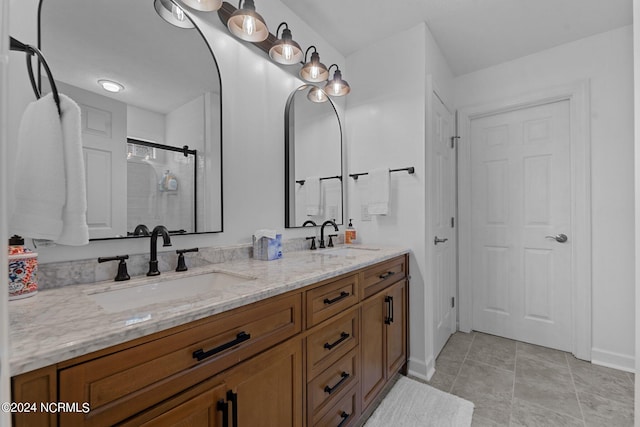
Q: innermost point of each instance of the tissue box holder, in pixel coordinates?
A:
(267, 249)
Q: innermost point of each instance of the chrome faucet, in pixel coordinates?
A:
(322, 231)
(153, 261)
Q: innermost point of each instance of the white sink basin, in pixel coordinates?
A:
(136, 296)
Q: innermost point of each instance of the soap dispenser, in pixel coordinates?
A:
(350, 233)
(23, 269)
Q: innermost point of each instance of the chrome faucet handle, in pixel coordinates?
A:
(122, 274)
(313, 242)
(330, 244)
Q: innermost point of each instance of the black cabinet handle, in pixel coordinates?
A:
(389, 318)
(344, 376)
(344, 417)
(342, 295)
(343, 336)
(201, 354)
(224, 408)
(233, 398)
(387, 274)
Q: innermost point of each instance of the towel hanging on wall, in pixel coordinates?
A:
(75, 231)
(379, 191)
(312, 189)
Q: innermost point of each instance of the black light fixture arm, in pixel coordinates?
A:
(248, 4)
(286, 27)
(333, 65)
(307, 52)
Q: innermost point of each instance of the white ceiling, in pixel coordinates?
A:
(473, 34)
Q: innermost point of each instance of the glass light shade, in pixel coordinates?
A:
(336, 86)
(286, 51)
(314, 71)
(317, 95)
(172, 13)
(204, 5)
(247, 24)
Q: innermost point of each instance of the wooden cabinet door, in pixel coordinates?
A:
(202, 410)
(266, 391)
(373, 348)
(396, 339)
(200, 406)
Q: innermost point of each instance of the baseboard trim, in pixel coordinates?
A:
(421, 369)
(613, 360)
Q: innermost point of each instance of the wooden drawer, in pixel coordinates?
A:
(330, 299)
(382, 275)
(344, 413)
(332, 384)
(123, 383)
(332, 341)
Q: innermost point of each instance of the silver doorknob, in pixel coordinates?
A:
(436, 240)
(560, 238)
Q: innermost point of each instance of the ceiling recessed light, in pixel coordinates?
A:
(111, 86)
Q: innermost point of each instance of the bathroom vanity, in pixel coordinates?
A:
(309, 340)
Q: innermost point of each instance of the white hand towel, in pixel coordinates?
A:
(379, 191)
(75, 231)
(312, 189)
(39, 180)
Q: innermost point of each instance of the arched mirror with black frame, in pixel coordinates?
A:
(150, 99)
(313, 159)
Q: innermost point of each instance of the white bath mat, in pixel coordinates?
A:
(414, 404)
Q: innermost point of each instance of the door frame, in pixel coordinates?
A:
(577, 93)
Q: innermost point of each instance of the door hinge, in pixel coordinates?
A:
(453, 141)
(453, 302)
(453, 222)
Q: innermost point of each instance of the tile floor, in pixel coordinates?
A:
(517, 384)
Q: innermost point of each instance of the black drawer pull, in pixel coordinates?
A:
(342, 295)
(201, 354)
(387, 275)
(344, 417)
(343, 336)
(389, 317)
(224, 408)
(344, 376)
(233, 398)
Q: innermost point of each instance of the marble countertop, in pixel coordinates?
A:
(62, 323)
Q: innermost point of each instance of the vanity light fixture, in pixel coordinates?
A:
(204, 5)
(313, 70)
(285, 51)
(317, 95)
(172, 13)
(110, 86)
(336, 86)
(246, 24)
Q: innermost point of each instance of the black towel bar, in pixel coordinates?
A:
(410, 170)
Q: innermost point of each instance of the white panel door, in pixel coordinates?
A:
(104, 144)
(520, 194)
(442, 166)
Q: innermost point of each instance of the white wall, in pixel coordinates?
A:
(386, 127)
(145, 125)
(606, 60)
(254, 94)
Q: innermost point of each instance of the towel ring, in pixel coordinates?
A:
(30, 51)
